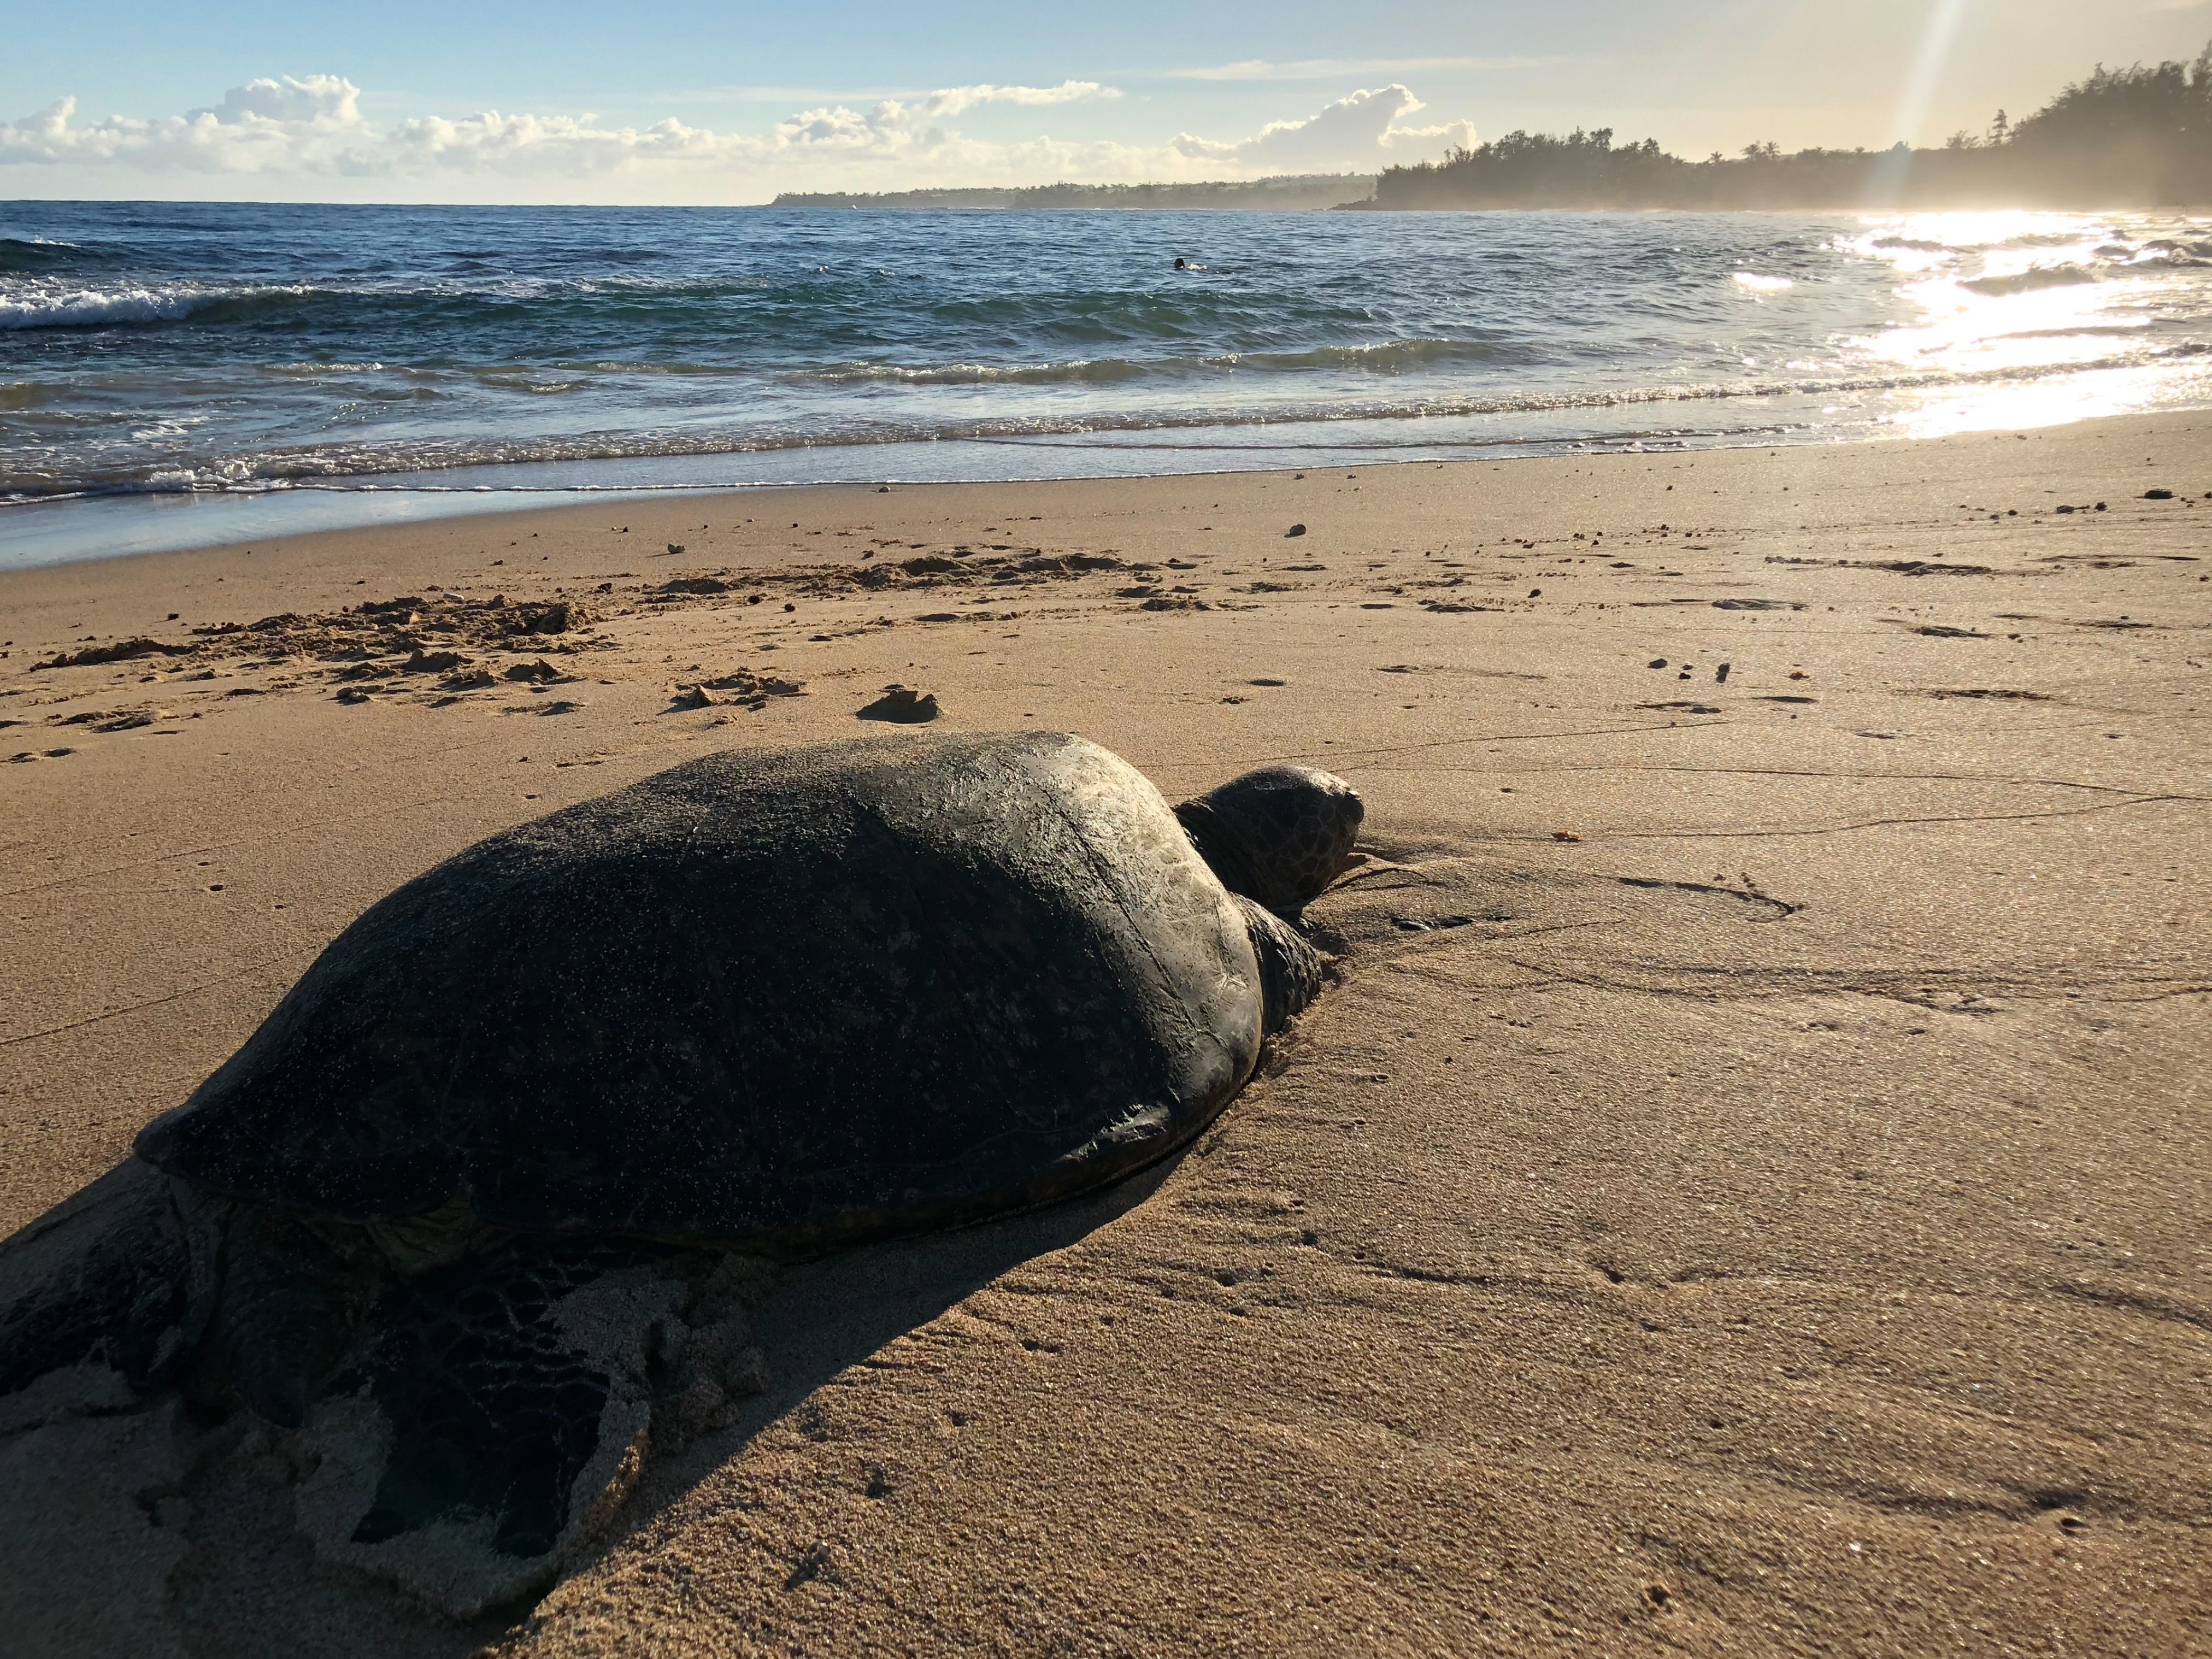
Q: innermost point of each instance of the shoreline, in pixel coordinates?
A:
(1736, 1190)
(123, 523)
(294, 396)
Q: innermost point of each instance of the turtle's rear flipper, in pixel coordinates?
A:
(494, 1422)
(104, 1297)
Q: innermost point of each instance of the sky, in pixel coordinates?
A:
(689, 102)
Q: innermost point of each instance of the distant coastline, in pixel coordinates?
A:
(1283, 193)
(2131, 138)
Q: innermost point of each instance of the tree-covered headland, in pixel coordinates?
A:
(2128, 138)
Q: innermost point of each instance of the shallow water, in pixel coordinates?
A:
(272, 369)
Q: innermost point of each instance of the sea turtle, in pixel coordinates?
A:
(465, 1206)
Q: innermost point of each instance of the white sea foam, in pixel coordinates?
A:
(350, 466)
(89, 307)
(236, 350)
(45, 303)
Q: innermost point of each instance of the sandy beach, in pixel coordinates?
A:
(1745, 1192)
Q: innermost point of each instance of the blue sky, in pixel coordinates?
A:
(680, 102)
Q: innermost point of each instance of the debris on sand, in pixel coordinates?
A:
(902, 707)
(117, 719)
(742, 688)
(121, 651)
(557, 618)
(1904, 567)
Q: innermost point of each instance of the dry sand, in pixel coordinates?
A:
(1747, 1194)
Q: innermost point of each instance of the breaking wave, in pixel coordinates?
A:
(374, 465)
(194, 349)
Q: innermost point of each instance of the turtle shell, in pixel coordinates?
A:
(789, 998)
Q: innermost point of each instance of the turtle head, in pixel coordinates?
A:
(1278, 836)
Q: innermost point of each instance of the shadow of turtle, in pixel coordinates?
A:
(178, 1528)
(824, 1317)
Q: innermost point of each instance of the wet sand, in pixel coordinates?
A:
(1746, 1193)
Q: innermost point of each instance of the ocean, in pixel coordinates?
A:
(176, 375)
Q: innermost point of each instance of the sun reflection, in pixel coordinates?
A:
(2028, 318)
(1939, 412)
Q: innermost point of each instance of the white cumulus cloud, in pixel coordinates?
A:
(308, 123)
(1357, 129)
(953, 101)
(311, 127)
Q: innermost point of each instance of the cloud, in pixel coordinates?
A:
(314, 124)
(555, 144)
(309, 127)
(1330, 68)
(953, 101)
(313, 100)
(895, 126)
(308, 123)
(1349, 131)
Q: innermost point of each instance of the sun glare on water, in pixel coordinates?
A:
(2037, 318)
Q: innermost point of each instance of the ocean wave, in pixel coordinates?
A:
(1085, 371)
(339, 466)
(34, 254)
(125, 308)
(238, 350)
(1380, 357)
(90, 309)
(43, 304)
(318, 371)
(2029, 281)
(2047, 239)
(758, 306)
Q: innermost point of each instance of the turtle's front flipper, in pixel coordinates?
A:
(494, 1421)
(104, 1298)
(1290, 969)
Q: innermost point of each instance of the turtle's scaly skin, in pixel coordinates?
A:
(1280, 835)
(782, 1000)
